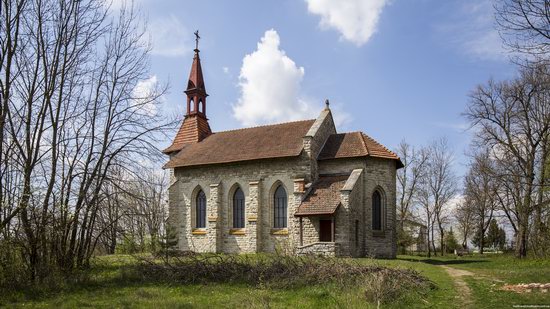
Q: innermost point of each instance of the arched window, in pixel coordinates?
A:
(376, 211)
(201, 106)
(280, 208)
(238, 209)
(191, 105)
(201, 210)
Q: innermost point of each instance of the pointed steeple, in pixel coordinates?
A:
(196, 90)
(195, 125)
(196, 81)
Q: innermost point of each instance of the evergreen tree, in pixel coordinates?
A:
(493, 234)
(168, 242)
(450, 241)
(476, 239)
(502, 239)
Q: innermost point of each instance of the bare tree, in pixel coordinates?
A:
(408, 180)
(409, 176)
(438, 188)
(74, 114)
(512, 119)
(425, 200)
(480, 192)
(525, 26)
(464, 216)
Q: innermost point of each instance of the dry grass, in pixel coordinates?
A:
(380, 284)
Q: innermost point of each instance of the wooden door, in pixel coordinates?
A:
(325, 230)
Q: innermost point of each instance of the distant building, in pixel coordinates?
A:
(297, 186)
(419, 234)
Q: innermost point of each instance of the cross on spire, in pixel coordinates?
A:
(197, 38)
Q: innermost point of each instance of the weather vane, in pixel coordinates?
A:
(197, 38)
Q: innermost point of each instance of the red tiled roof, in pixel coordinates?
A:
(355, 144)
(263, 142)
(324, 197)
(375, 149)
(193, 129)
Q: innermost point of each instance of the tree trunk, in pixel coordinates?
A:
(521, 241)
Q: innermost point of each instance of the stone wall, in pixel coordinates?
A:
(377, 174)
(353, 195)
(316, 137)
(310, 230)
(380, 175)
(319, 248)
(258, 180)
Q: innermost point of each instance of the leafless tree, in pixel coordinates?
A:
(480, 192)
(133, 209)
(437, 189)
(75, 112)
(525, 26)
(512, 119)
(464, 216)
(408, 179)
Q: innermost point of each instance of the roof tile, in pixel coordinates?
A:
(324, 197)
(193, 129)
(355, 144)
(263, 142)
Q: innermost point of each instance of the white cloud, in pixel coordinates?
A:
(141, 93)
(459, 127)
(270, 85)
(356, 20)
(471, 28)
(225, 70)
(271, 91)
(169, 37)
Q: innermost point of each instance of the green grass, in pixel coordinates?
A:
(107, 286)
(505, 267)
(492, 271)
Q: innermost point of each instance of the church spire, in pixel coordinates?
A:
(195, 125)
(196, 90)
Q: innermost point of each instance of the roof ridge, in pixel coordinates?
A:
(362, 134)
(263, 126)
(344, 133)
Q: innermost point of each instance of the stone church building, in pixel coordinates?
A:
(299, 187)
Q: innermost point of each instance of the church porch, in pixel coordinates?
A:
(322, 242)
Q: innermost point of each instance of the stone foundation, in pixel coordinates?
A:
(318, 248)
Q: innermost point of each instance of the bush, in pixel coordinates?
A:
(13, 270)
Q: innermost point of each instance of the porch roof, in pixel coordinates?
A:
(324, 197)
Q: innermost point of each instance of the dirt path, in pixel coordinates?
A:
(464, 293)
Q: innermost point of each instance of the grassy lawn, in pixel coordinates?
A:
(491, 272)
(108, 286)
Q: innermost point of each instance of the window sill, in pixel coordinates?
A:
(237, 232)
(283, 231)
(378, 233)
(199, 231)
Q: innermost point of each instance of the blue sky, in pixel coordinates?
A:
(399, 69)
